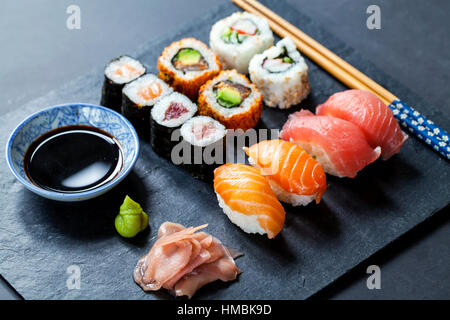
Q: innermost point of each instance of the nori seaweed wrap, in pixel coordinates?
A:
(119, 72)
(138, 98)
(166, 116)
(204, 140)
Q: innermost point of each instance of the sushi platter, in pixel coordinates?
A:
(339, 182)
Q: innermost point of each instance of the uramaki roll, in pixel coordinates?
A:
(237, 38)
(187, 64)
(231, 99)
(281, 74)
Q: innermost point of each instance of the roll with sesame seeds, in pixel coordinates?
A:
(237, 38)
(281, 74)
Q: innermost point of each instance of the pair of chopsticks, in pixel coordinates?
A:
(409, 118)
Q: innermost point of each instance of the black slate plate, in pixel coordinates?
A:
(40, 238)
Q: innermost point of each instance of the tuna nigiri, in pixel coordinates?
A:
(340, 146)
(371, 115)
(248, 200)
(295, 176)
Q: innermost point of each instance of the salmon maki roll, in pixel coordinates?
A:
(338, 145)
(295, 176)
(248, 200)
(371, 115)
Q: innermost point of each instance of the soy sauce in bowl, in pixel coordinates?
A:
(73, 159)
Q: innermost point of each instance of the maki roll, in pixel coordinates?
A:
(119, 72)
(166, 116)
(281, 74)
(138, 97)
(187, 64)
(198, 134)
(231, 99)
(237, 38)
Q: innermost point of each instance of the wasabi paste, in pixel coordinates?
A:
(131, 219)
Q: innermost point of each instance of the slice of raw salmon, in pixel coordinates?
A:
(248, 200)
(294, 175)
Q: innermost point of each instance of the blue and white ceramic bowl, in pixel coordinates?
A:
(71, 114)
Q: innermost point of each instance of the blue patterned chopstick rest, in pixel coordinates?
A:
(423, 128)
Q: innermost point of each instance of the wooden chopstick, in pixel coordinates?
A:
(318, 50)
(411, 119)
(325, 63)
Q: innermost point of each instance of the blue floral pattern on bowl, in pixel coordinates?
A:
(64, 115)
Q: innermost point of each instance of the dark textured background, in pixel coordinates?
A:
(412, 46)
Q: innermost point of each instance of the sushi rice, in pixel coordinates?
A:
(138, 98)
(197, 124)
(187, 78)
(119, 72)
(167, 115)
(161, 107)
(244, 115)
(124, 69)
(237, 38)
(281, 74)
(248, 223)
(247, 199)
(150, 83)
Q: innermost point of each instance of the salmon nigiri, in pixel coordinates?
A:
(248, 200)
(340, 146)
(371, 115)
(295, 176)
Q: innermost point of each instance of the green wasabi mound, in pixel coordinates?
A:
(131, 219)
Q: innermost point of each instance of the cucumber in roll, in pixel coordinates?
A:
(237, 38)
(231, 99)
(281, 74)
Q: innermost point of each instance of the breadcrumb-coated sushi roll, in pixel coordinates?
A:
(237, 38)
(187, 64)
(201, 133)
(248, 200)
(281, 74)
(231, 99)
(295, 176)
